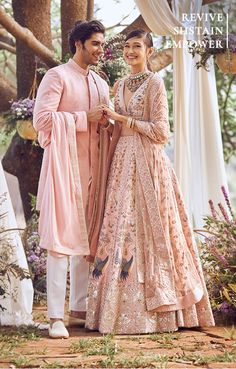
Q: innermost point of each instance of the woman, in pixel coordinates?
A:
(146, 276)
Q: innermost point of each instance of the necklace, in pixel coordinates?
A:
(134, 82)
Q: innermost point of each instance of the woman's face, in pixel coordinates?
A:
(136, 51)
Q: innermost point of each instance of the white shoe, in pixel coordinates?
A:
(58, 330)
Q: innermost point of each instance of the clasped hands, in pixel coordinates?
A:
(101, 114)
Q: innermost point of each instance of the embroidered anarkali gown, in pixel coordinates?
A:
(146, 276)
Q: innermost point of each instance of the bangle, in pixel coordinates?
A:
(132, 123)
(129, 122)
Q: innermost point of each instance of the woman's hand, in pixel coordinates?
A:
(113, 115)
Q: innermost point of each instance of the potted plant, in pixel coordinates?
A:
(21, 112)
(223, 49)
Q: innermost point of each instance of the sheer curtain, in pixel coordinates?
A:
(18, 303)
(198, 152)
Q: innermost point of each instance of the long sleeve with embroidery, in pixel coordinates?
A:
(156, 103)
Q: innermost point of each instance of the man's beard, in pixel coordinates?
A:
(89, 59)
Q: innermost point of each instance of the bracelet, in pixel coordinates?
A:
(130, 122)
(133, 123)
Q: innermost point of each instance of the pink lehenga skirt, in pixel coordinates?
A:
(116, 294)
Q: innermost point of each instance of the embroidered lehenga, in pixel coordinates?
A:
(146, 276)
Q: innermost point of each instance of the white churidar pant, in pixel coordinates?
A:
(57, 267)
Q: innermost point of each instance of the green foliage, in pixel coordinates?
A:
(226, 90)
(219, 257)
(96, 346)
(36, 256)
(169, 89)
(211, 45)
(164, 340)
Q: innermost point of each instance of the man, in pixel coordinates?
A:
(68, 116)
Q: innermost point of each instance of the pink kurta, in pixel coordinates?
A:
(65, 192)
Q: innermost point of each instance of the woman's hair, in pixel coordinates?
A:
(140, 33)
(82, 31)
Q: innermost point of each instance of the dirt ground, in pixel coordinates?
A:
(187, 348)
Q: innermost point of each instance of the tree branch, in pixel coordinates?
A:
(118, 24)
(204, 2)
(4, 36)
(4, 46)
(7, 93)
(161, 59)
(25, 35)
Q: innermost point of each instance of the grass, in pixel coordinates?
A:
(4, 139)
(228, 356)
(164, 340)
(146, 351)
(22, 362)
(96, 346)
(12, 338)
(230, 334)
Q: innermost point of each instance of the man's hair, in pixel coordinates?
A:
(82, 31)
(140, 33)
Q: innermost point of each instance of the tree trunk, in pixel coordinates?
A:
(7, 93)
(37, 19)
(90, 10)
(23, 159)
(26, 36)
(71, 12)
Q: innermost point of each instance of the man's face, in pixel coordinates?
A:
(92, 50)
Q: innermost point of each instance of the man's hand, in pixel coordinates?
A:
(95, 114)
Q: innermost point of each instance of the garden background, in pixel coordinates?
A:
(23, 62)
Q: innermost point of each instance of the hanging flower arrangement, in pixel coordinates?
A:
(222, 48)
(21, 113)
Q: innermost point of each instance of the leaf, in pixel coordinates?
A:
(226, 294)
(232, 286)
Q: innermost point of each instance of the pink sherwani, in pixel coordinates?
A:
(67, 181)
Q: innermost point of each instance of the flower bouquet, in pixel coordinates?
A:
(21, 112)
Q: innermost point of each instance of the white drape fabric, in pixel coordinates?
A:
(18, 303)
(198, 152)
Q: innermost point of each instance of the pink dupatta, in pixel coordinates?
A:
(62, 225)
